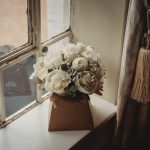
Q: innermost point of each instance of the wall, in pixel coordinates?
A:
(100, 23)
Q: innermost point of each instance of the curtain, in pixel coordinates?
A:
(132, 117)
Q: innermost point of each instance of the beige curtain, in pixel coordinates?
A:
(132, 117)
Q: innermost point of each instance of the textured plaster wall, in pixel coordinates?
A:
(100, 23)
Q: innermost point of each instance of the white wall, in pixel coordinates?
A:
(100, 23)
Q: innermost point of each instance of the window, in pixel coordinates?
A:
(38, 24)
(55, 18)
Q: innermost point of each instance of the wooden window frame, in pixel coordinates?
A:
(33, 47)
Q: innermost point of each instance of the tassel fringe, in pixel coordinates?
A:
(141, 86)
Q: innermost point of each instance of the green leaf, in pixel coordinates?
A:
(45, 49)
(64, 67)
(50, 70)
(63, 57)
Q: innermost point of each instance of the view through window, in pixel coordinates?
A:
(13, 25)
(55, 18)
(19, 87)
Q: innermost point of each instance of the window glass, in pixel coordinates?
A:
(55, 17)
(13, 25)
(19, 86)
(59, 45)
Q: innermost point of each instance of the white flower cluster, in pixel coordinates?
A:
(73, 69)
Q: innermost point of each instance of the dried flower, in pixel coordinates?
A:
(86, 82)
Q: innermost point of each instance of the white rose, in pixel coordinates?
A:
(53, 59)
(80, 47)
(39, 69)
(42, 73)
(38, 65)
(56, 81)
(80, 64)
(70, 52)
(91, 54)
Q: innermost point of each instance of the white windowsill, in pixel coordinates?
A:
(30, 132)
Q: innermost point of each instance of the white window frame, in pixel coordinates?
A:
(34, 47)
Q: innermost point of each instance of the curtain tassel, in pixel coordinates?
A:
(141, 85)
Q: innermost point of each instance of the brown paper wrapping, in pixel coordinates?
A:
(70, 114)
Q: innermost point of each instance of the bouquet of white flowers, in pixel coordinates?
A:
(74, 69)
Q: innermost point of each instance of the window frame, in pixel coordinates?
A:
(33, 47)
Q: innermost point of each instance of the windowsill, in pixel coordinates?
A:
(30, 132)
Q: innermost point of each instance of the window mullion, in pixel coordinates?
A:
(57, 38)
(30, 22)
(37, 34)
(2, 104)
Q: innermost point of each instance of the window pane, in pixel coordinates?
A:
(19, 89)
(13, 24)
(55, 17)
(59, 45)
